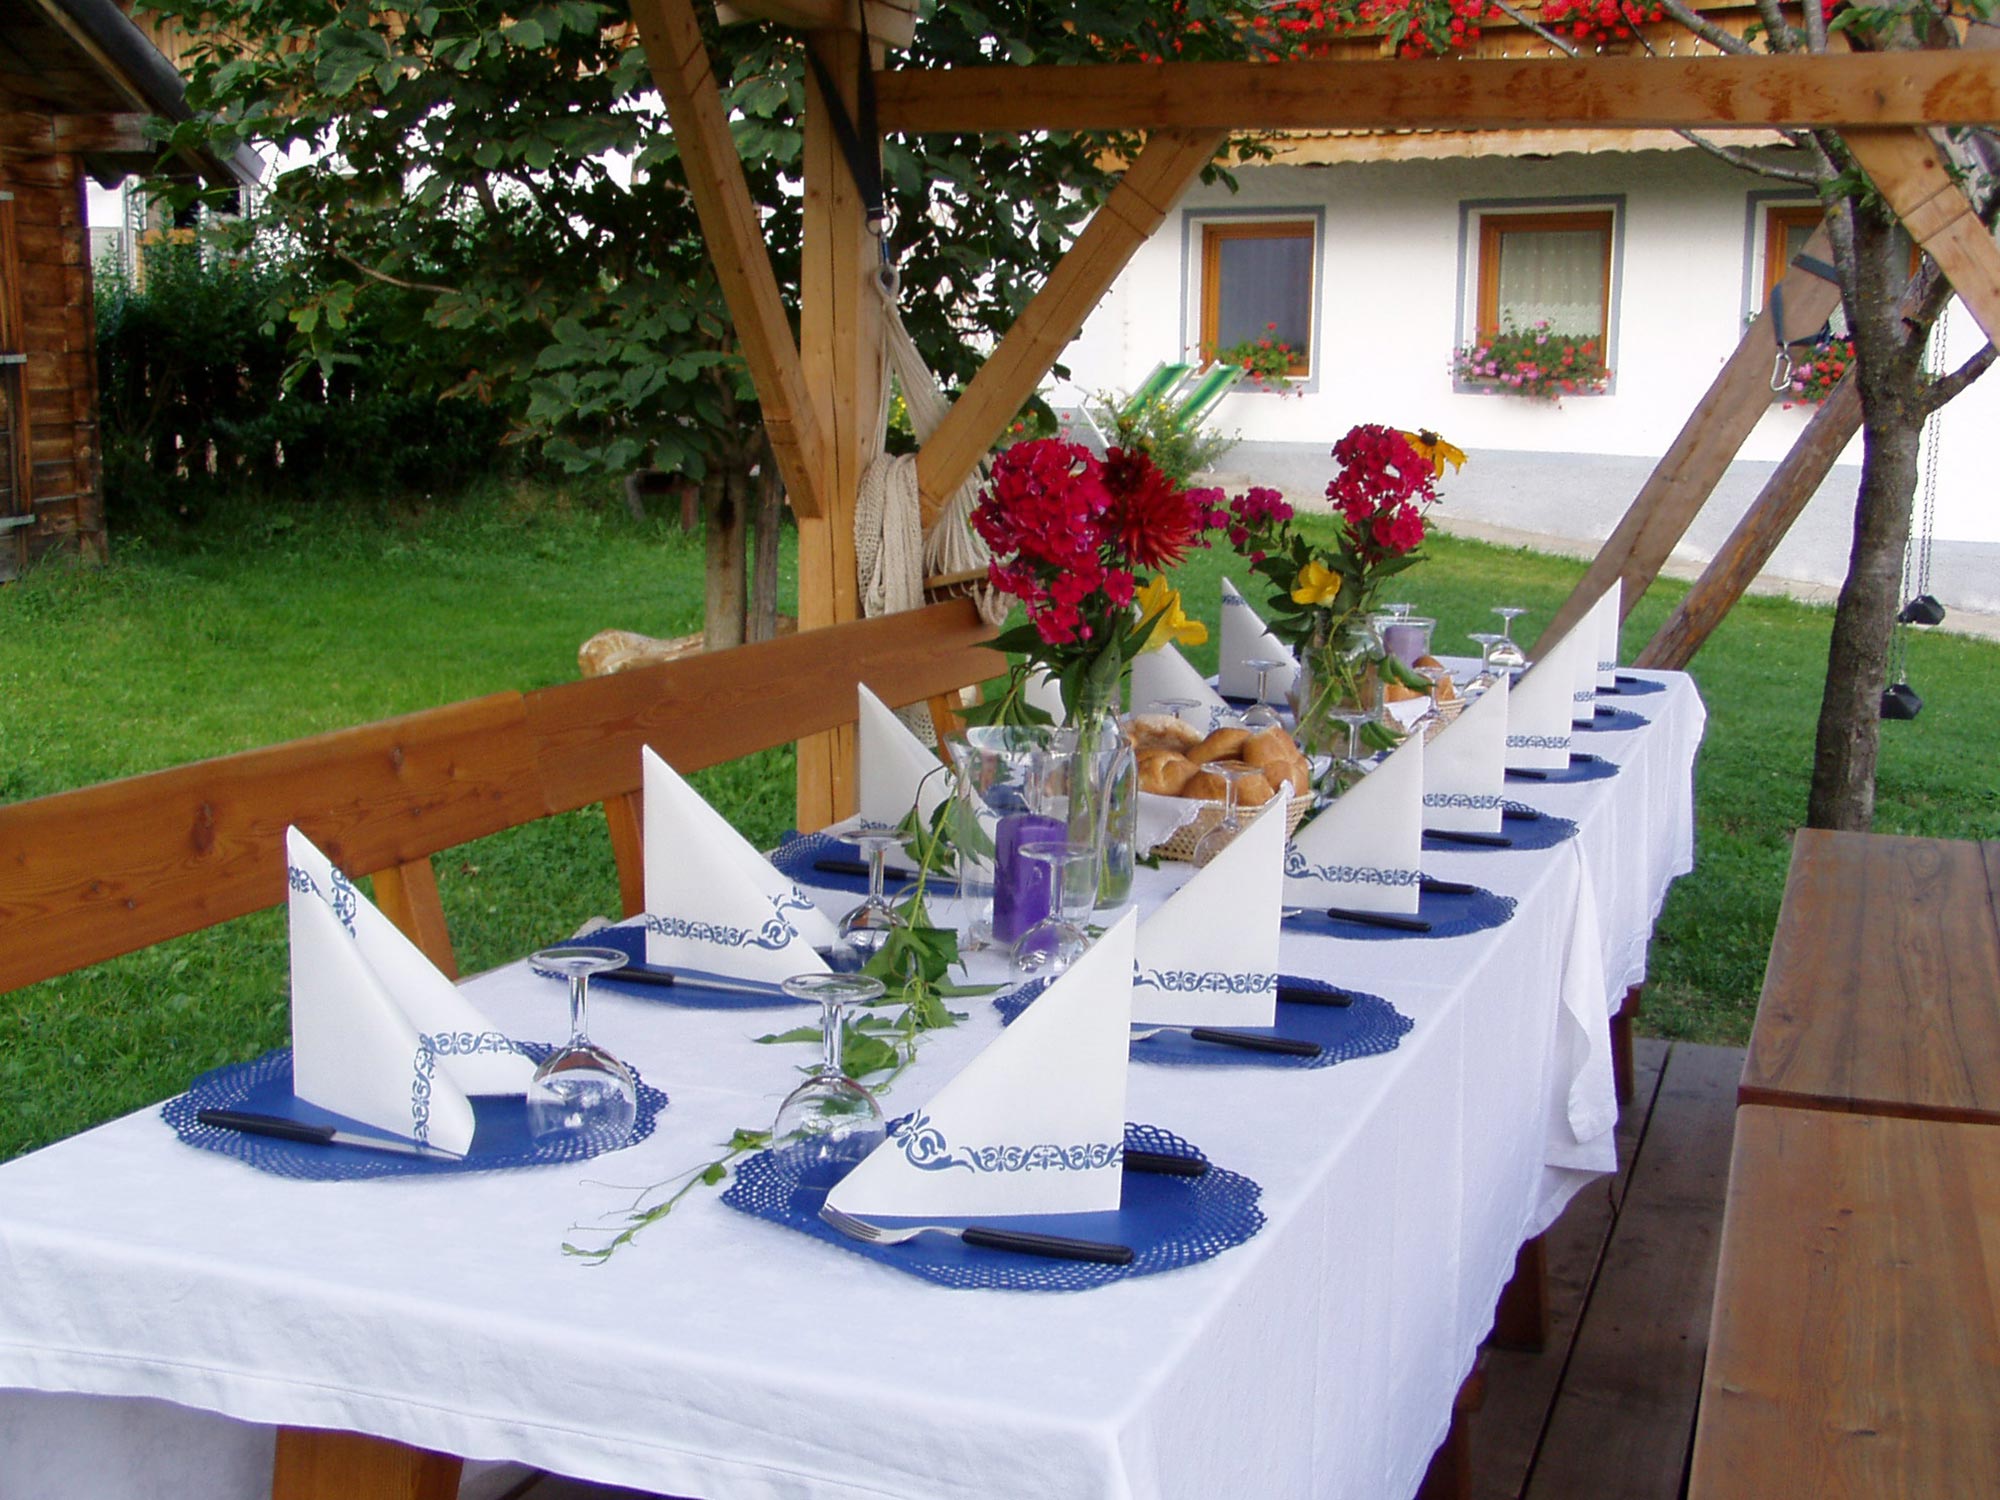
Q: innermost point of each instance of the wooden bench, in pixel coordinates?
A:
(1854, 1348)
(91, 874)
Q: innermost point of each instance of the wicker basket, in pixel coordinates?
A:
(1181, 845)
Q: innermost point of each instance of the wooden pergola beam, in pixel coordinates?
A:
(1135, 208)
(1788, 90)
(1911, 173)
(731, 226)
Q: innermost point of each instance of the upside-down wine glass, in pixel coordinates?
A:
(831, 1120)
(582, 1090)
(1187, 710)
(1260, 715)
(867, 927)
(1059, 939)
(1218, 838)
(1489, 674)
(1507, 654)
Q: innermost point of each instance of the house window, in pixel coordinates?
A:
(1257, 283)
(1552, 268)
(1787, 227)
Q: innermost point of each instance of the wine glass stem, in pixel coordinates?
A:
(830, 1059)
(876, 854)
(1229, 801)
(1263, 675)
(1353, 739)
(579, 992)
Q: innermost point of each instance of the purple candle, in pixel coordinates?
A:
(1020, 884)
(1408, 638)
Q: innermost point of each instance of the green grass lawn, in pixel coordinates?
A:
(281, 622)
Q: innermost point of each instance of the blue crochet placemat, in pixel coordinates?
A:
(1634, 687)
(263, 1085)
(1368, 1026)
(631, 941)
(1169, 1222)
(1614, 721)
(1526, 834)
(1449, 916)
(797, 852)
(1581, 767)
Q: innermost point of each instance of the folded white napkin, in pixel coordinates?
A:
(1043, 693)
(1538, 706)
(1244, 636)
(1165, 673)
(1209, 955)
(1583, 685)
(1610, 615)
(1035, 1124)
(1363, 852)
(895, 769)
(714, 903)
(1466, 766)
(1406, 711)
(378, 1033)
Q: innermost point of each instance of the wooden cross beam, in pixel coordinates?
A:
(729, 222)
(1135, 208)
(1910, 171)
(1788, 90)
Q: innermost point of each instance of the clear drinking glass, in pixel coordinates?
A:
(1489, 674)
(1261, 715)
(1506, 653)
(830, 1119)
(867, 927)
(1187, 710)
(1060, 939)
(582, 1090)
(1217, 838)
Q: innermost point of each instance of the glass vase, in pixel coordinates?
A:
(1339, 678)
(1103, 783)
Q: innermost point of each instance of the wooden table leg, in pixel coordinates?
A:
(1621, 1043)
(1450, 1474)
(1521, 1317)
(314, 1464)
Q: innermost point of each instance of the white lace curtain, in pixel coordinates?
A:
(1553, 275)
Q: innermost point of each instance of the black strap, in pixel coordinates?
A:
(1778, 321)
(864, 163)
(1813, 265)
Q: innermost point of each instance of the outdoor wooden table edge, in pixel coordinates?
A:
(1854, 1349)
(1883, 990)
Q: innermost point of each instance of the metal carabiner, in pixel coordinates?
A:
(1781, 371)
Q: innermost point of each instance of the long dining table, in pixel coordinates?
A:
(163, 1309)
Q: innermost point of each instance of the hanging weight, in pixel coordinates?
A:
(1900, 701)
(1922, 610)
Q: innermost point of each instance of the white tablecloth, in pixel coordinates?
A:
(725, 1357)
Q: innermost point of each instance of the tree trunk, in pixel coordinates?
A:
(723, 512)
(764, 568)
(1889, 359)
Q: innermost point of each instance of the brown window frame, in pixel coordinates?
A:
(1213, 235)
(1779, 220)
(1495, 226)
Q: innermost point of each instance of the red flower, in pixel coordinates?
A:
(1152, 521)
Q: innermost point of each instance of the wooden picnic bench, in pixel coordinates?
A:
(1855, 1342)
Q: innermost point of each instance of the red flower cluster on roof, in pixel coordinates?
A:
(1598, 20)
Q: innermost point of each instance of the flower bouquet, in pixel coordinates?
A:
(1070, 536)
(1534, 362)
(1325, 592)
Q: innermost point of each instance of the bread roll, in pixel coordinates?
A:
(1223, 744)
(1161, 732)
(1294, 775)
(1395, 692)
(1164, 771)
(1427, 661)
(1269, 747)
(1445, 691)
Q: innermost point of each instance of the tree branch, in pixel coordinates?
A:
(1776, 27)
(1737, 157)
(1522, 19)
(1942, 391)
(396, 281)
(1707, 30)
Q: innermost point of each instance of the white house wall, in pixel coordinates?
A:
(1392, 306)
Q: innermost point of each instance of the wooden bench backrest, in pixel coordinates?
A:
(107, 869)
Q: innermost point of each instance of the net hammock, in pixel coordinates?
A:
(894, 552)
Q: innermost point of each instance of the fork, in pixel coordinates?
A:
(1057, 1246)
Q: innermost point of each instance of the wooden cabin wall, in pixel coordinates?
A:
(47, 278)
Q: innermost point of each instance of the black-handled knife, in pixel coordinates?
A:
(832, 866)
(1432, 887)
(1379, 919)
(1059, 1246)
(1299, 994)
(1251, 1041)
(1164, 1163)
(1527, 773)
(1519, 814)
(1476, 840)
(667, 979)
(282, 1129)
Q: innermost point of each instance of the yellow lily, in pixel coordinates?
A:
(1436, 451)
(1156, 598)
(1315, 584)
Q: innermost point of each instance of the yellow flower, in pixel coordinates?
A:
(1434, 448)
(1316, 584)
(1173, 624)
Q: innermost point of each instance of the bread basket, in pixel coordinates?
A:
(1181, 845)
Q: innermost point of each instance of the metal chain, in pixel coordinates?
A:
(1917, 546)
